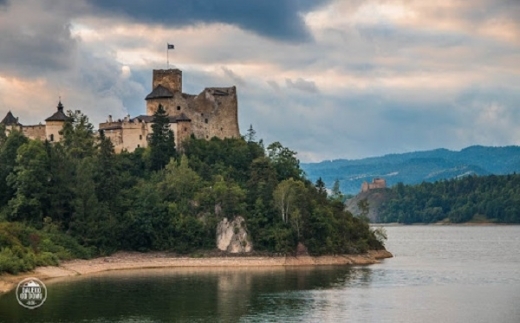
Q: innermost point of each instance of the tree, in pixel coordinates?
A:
(30, 181)
(8, 153)
(78, 135)
(364, 207)
(285, 197)
(320, 186)
(250, 137)
(336, 192)
(162, 143)
(106, 171)
(285, 161)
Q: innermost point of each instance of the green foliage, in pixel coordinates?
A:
(22, 248)
(77, 198)
(162, 143)
(490, 198)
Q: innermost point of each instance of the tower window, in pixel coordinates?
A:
(206, 120)
(185, 129)
(51, 137)
(140, 137)
(178, 108)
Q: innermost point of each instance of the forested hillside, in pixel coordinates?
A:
(472, 198)
(417, 167)
(77, 198)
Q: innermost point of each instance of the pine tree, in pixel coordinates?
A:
(162, 143)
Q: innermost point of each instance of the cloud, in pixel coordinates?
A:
(233, 76)
(378, 76)
(302, 85)
(40, 43)
(274, 19)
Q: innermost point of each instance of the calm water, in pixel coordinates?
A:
(439, 274)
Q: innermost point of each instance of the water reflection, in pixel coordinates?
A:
(190, 295)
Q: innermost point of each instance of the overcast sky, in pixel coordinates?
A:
(327, 78)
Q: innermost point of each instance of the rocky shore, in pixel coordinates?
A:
(135, 260)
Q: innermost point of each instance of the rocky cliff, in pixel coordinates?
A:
(232, 236)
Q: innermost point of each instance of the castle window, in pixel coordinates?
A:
(185, 129)
(178, 108)
(51, 137)
(140, 137)
(138, 146)
(221, 129)
(202, 114)
(206, 120)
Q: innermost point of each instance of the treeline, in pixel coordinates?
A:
(471, 198)
(78, 198)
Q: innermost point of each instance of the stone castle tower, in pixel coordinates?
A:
(50, 131)
(212, 113)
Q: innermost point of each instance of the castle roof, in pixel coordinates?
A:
(172, 119)
(10, 120)
(160, 92)
(58, 115)
(183, 117)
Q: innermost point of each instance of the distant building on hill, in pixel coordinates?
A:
(376, 183)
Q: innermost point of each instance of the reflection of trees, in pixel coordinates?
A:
(225, 294)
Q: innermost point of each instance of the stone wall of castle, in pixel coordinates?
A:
(170, 79)
(52, 130)
(376, 184)
(34, 132)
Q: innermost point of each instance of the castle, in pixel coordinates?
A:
(50, 131)
(212, 113)
(376, 183)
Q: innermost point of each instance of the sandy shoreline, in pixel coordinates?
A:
(135, 260)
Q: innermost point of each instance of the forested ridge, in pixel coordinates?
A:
(77, 198)
(489, 198)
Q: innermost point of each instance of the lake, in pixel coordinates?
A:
(438, 274)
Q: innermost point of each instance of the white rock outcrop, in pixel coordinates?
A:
(232, 236)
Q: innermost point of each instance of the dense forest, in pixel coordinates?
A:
(472, 198)
(77, 198)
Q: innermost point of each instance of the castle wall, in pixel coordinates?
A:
(52, 130)
(182, 133)
(215, 113)
(35, 132)
(173, 106)
(376, 184)
(126, 135)
(170, 79)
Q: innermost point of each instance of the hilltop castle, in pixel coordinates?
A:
(376, 184)
(212, 113)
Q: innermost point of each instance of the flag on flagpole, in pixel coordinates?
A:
(170, 46)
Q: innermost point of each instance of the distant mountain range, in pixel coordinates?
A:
(416, 167)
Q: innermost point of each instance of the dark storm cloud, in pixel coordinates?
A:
(39, 43)
(278, 19)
